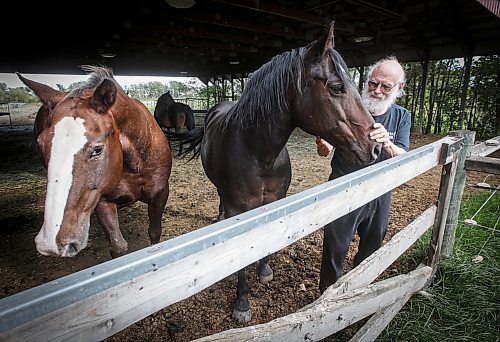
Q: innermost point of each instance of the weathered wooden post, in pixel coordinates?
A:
(457, 192)
(444, 199)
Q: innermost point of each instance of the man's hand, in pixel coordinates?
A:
(380, 134)
(322, 147)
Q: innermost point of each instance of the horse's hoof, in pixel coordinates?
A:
(118, 253)
(265, 274)
(242, 316)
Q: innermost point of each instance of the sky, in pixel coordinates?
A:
(13, 81)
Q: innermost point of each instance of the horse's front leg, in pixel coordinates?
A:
(107, 215)
(155, 213)
(242, 312)
(222, 211)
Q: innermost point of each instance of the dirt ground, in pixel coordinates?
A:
(192, 204)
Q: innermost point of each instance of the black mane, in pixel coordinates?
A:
(267, 90)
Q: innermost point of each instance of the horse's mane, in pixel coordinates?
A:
(97, 74)
(267, 89)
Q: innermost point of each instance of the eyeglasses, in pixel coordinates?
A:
(383, 86)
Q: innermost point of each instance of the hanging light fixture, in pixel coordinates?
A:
(362, 39)
(108, 54)
(181, 3)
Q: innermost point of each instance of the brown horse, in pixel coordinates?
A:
(102, 150)
(171, 114)
(242, 144)
(161, 110)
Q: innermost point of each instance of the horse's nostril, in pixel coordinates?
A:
(73, 248)
(377, 150)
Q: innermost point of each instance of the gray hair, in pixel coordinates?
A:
(393, 58)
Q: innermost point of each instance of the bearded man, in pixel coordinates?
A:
(384, 85)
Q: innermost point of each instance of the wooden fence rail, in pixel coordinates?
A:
(100, 301)
(334, 310)
(314, 323)
(478, 160)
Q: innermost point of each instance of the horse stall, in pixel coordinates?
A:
(100, 301)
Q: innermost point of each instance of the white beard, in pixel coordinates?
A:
(378, 105)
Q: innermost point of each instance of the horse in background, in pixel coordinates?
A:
(243, 143)
(102, 150)
(171, 114)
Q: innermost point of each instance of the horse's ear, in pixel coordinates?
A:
(325, 42)
(49, 96)
(104, 96)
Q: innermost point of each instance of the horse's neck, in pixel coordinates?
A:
(267, 141)
(131, 119)
(258, 137)
(126, 112)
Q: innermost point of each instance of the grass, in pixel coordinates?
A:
(464, 302)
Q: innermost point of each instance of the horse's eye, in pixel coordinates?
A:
(96, 151)
(336, 88)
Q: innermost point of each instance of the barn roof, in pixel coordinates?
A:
(218, 37)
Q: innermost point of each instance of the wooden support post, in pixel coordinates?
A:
(208, 95)
(232, 88)
(457, 192)
(444, 198)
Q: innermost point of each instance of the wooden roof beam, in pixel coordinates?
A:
(206, 34)
(239, 24)
(267, 7)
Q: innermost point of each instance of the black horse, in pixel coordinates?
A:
(170, 114)
(242, 144)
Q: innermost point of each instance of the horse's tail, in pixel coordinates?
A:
(193, 138)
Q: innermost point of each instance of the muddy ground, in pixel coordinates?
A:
(192, 204)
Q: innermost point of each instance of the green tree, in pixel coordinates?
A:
(180, 89)
(484, 97)
(74, 85)
(3, 93)
(153, 90)
(22, 95)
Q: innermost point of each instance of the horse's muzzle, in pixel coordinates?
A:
(67, 249)
(71, 249)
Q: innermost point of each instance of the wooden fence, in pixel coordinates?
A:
(12, 108)
(5, 111)
(197, 104)
(100, 301)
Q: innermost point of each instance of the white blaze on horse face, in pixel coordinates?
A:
(69, 138)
